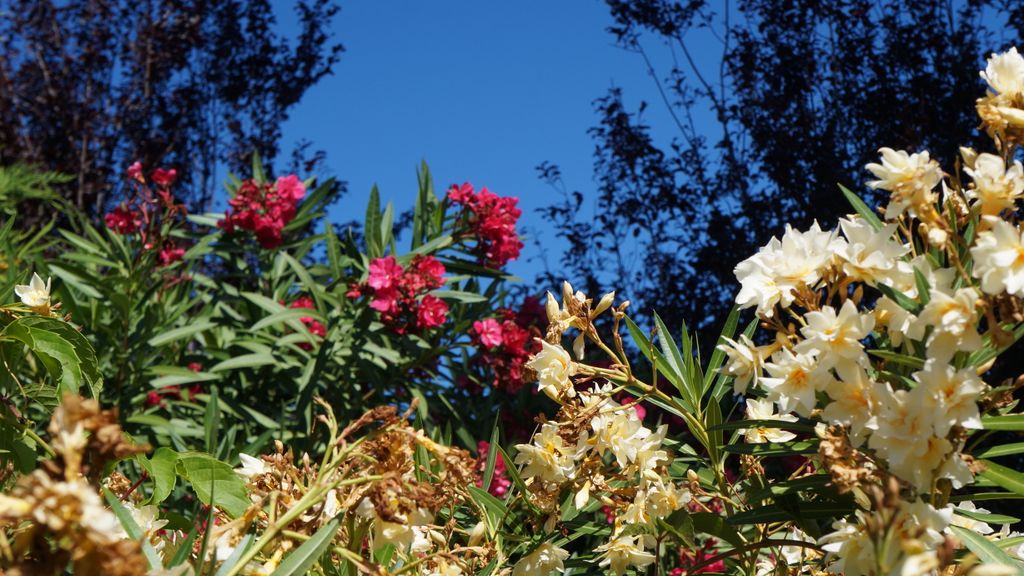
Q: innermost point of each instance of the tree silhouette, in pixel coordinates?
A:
(86, 88)
(805, 94)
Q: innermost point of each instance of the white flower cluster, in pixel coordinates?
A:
(606, 440)
(918, 289)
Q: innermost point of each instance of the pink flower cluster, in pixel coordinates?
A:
(693, 561)
(123, 220)
(499, 480)
(400, 294)
(312, 324)
(264, 209)
(506, 344)
(492, 221)
(144, 214)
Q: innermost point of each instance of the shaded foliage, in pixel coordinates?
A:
(86, 88)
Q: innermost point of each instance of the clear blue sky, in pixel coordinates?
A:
(483, 91)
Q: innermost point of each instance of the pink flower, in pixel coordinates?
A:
(123, 220)
(164, 177)
(384, 273)
(432, 312)
(489, 331)
(135, 172)
(491, 219)
(170, 254)
(312, 324)
(264, 209)
(290, 188)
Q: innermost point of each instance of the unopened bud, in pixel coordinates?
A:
(692, 476)
(969, 155)
(477, 533)
(566, 291)
(605, 303)
(552, 309)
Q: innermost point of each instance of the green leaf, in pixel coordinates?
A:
(861, 208)
(194, 327)
(87, 361)
(211, 477)
(1001, 450)
(715, 525)
(805, 510)
(211, 421)
(161, 468)
(245, 361)
(303, 558)
(675, 361)
(772, 424)
(983, 548)
(774, 449)
(718, 356)
(132, 529)
(988, 518)
(1003, 476)
(459, 296)
(56, 354)
(292, 314)
(371, 227)
(897, 358)
(1012, 422)
(494, 509)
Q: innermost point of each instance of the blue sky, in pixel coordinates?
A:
(483, 91)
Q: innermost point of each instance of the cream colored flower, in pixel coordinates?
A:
(968, 522)
(765, 410)
(835, 338)
(872, 256)
(909, 178)
(547, 457)
(793, 381)
(996, 187)
(782, 266)
(951, 394)
(953, 317)
(35, 294)
(546, 559)
(743, 362)
(999, 258)
(624, 552)
(554, 368)
(1005, 72)
(251, 466)
(855, 402)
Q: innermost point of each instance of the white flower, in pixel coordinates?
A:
(872, 256)
(905, 438)
(765, 410)
(665, 498)
(35, 294)
(743, 364)
(1005, 72)
(780, 267)
(951, 394)
(855, 402)
(910, 179)
(793, 381)
(622, 552)
(251, 466)
(954, 321)
(547, 458)
(835, 337)
(897, 321)
(996, 188)
(968, 522)
(553, 367)
(545, 559)
(999, 258)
